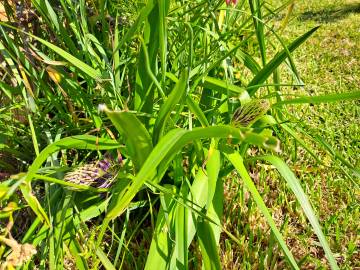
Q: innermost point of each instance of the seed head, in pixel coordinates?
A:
(96, 174)
(248, 113)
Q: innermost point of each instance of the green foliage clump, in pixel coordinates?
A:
(169, 76)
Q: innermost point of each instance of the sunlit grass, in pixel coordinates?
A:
(194, 179)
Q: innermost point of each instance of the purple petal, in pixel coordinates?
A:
(104, 165)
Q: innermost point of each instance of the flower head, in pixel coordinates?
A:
(250, 112)
(96, 174)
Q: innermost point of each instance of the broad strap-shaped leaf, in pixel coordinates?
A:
(34, 203)
(76, 250)
(147, 64)
(103, 257)
(160, 248)
(208, 245)
(255, 7)
(212, 170)
(209, 233)
(224, 87)
(181, 232)
(196, 110)
(192, 105)
(215, 190)
(189, 212)
(137, 138)
(174, 98)
(196, 199)
(175, 140)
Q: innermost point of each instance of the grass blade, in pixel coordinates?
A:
(294, 134)
(137, 138)
(237, 162)
(171, 143)
(174, 98)
(321, 99)
(208, 246)
(295, 186)
(269, 68)
(95, 74)
(160, 252)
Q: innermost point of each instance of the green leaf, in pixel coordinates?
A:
(181, 233)
(237, 162)
(215, 192)
(208, 246)
(195, 109)
(95, 74)
(75, 250)
(174, 98)
(295, 186)
(248, 60)
(137, 138)
(196, 199)
(215, 210)
(4, 189)
(8, 90)
(104, 259)
(321, 99)
(269, 68)
(34, 203)
(224, 87)
(160, 252)
(171, 143)
(212, 169)
(163, 12)
(255, 8)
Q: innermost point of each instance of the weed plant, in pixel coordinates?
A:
(120, 121)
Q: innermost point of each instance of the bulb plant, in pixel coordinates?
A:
(182, 89)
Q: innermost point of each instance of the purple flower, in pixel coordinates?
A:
(96, 174)
(104, 164)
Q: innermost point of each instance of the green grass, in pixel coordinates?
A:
(146, 95)
(328, 63)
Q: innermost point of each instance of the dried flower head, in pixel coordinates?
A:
(20, 253)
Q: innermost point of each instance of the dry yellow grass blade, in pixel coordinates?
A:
(3, 16)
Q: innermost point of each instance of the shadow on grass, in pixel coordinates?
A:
(330, 15)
